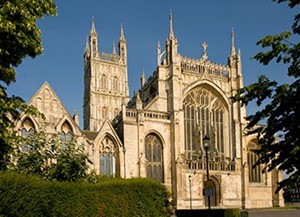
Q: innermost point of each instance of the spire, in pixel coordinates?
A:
(232, 53)
(171, 33)
(122, 37)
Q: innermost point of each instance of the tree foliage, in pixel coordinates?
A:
(280, 104)
(19, 38)
(49, 158)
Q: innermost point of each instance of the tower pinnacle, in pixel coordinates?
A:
(114, 49)
(122, 37)
(87, 46)
(93, 29)
(232, 53)
(171, 33)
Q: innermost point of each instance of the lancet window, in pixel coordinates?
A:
(26, 130)
(255, 174)
(154, 157)
(103, 81)
(204, 114)
(108, 157)
(66, 133)
(115, 84)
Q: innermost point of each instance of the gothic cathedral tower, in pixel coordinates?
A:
(105, 81)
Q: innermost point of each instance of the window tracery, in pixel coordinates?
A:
(66, 133)
(204, 114)
(107, 157)
(154, 157)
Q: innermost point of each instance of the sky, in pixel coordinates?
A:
(146, 22)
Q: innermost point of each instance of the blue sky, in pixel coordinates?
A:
(145, 23)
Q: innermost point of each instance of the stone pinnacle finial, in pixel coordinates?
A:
(171, 33)
(93, 29)
(122, 33)
(232, 53)
(114, 49)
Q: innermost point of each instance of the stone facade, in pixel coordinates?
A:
(159, 132)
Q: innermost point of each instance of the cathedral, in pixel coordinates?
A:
(180, 128)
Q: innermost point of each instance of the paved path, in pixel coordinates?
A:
(274, 213)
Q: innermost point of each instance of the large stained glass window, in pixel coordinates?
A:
(203, 115)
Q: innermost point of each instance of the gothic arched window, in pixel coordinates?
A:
(203, 115)
(108, 157)
(154, 157)
(26, 130)
(103, 81)
(115, 84)
(66, 133)
(255, 174)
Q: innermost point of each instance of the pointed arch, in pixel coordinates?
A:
(108, 156)
(27, 129)
(215, 198)
(255, 173)
(66, 132)
(154, 157)
(115, 84)
(104, 81)
(205, 113)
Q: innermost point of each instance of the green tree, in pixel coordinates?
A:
(19, 38)
(37, 155)
(49, 158)
(280, 104)
(71, 162)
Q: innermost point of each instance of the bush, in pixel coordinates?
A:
(24, 196)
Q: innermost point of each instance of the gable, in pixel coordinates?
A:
(48, 103)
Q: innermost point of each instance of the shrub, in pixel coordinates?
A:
(24, 195)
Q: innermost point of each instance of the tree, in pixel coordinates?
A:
(71, 163)
(19, 38)
(49, 158)
(280, 104)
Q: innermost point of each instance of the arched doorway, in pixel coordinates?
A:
(215, 198)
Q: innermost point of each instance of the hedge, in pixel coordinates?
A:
(22, 195)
